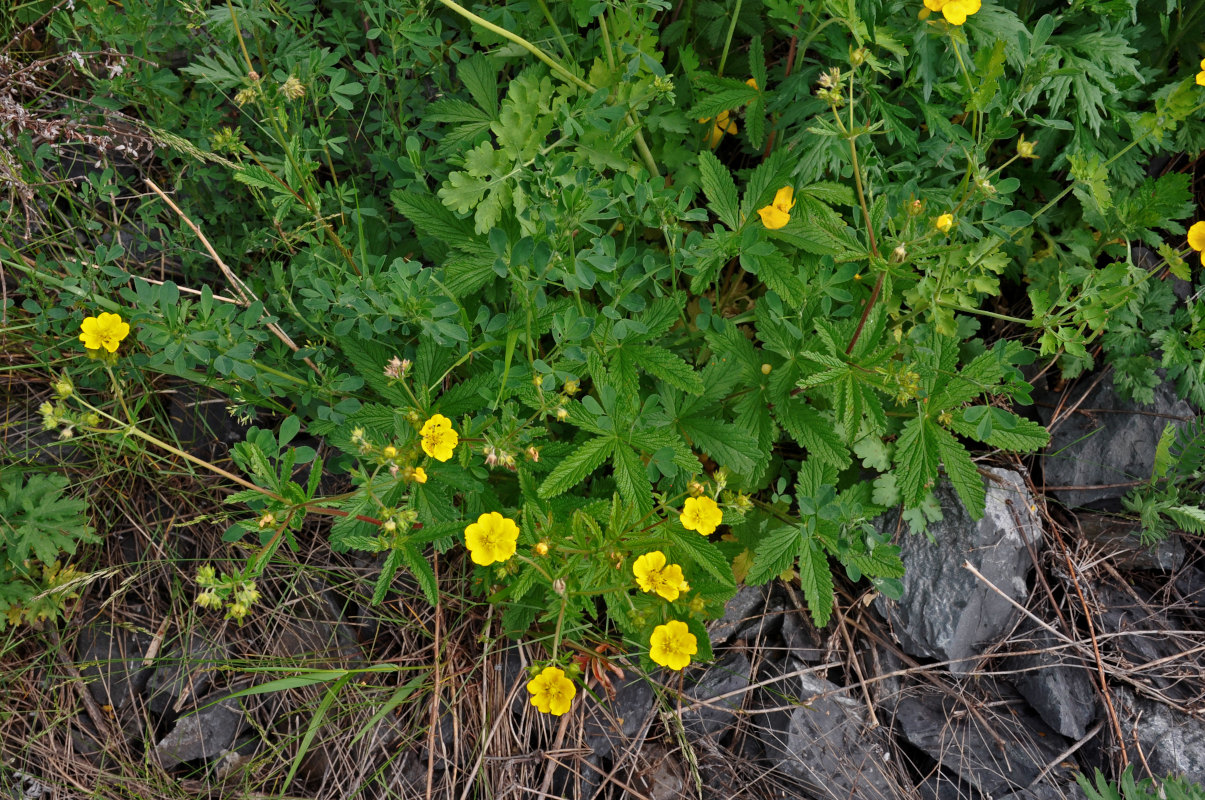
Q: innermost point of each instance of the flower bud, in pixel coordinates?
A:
(916, 207)
(562, 413)
(857, 57)
(899, 255)
(765, 369)
(1025, 149)
(267, 519)
(389, 452)
(541, 548)
(533, 454)
(558, 586)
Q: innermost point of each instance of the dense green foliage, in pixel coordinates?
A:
(542, 221)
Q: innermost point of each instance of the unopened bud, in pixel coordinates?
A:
(899, 254)
(765, 369)
(558, 586)
(542, 548)
(857, 57)
(389, 452)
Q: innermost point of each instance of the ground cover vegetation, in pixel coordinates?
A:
(628, 302)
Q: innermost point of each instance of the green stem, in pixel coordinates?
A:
(555, 28)
(736, 12)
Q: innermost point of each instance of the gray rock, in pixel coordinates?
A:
(184, 673)
(624, 719)
(1172, 742)
(1118, 538)
(802, 639)
(946, 612)
(1055, 682)
(941, 726)
(749, 601)
(726, 679)
(110, 662)
(1107, 441)
(824, 743)
(201, 735)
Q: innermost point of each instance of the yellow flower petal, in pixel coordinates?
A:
(1196, 236)
(700, 514)
(491, 538)
(672, 645)
(551, 692)
(439, 437)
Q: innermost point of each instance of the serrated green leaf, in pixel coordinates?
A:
(1026, 436)
(812, 430)
(705, 555)
(631, 478)
(967, 481)
(574, 469)
(816, 580)
(720, 190)
(1190, 519)
(774, 553)
(916, 459)
(727, 444)
(661, 363)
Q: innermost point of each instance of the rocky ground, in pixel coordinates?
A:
(1029, 646)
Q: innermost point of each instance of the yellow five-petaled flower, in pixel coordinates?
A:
(1196, 238)
(672, 644)
(491, 538)
(701, 514)
(778, 213)
(105, 330)
(944, 223)
(955, 11)
(439, 437)
(654, 575)
(1201, 74)
(551, 691)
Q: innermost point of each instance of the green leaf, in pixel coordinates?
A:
(432, 218)
(726, 443)
(816, 580)
(962, 472)
(775, 552)
(661, 363)
(574, 469)
(706, 555)
(812, 430)
(420, 567)
(916, 459)
(1190, 519)
(720, 190)
(632, 479)
(1026, 436)
(1163, 455)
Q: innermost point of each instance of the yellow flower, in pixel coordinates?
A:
(439, 438)
(955, 11)
(551, 691)
(778, 213)
(491, 538)
(944, 223)
(106, 330)
(420, 475)
(653, 575)
(672, 644)
(751, 83)
(1201, 79)
(700, 514)
(722, 125)
(1196, 238)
